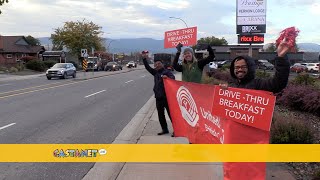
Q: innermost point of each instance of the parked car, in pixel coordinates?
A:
(312, 67)
(298, 68)
(223, 63)
(112, 66)
(61, 70)
(131, 64)
(265, 66)
(213, 66)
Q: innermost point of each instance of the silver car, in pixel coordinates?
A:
(61, 70)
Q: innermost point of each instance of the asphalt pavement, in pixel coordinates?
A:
(93, 111)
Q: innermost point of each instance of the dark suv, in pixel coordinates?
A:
(61, 70)
(112, 66)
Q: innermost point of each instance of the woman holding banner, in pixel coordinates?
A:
(191, 68)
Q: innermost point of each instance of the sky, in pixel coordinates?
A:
(150, 18)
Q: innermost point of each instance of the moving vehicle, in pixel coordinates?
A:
(131, 64)
(61, 70)
(112, 66)
(94, 64)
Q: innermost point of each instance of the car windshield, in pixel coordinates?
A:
(111, 63)
(60, 66)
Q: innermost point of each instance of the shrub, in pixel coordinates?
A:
(316, 175)
(13, 70)
(262, 74)
(36, 65)
(290, 130)
(211, 80)
(304, 98)
(20, 67)
(222, 75)
(49, 64)
(3, 68)
(304, 79)
(28, 58)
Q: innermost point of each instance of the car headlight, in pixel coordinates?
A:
(114, 65)
(47, 72)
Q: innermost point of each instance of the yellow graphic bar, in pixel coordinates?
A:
(159, 153)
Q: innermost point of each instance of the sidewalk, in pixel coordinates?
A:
(143, 129)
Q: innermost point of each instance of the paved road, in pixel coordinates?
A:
(92, 111)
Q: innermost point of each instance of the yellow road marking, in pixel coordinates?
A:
(7, 92)
(27, 92)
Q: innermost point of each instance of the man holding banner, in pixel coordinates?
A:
(243, 68)
(159, 72)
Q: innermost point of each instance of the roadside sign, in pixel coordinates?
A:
(251, 16)
(84, 64)
(83, 52)
(187, 37)
(251, 39)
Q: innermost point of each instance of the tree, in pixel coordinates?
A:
(78, 35)
(213, 41)
(2, 2)
(33, 41)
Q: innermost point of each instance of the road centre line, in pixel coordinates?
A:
(7, 126)
(143, 76)
(7, 92)
(5, 84)
(27, 92)
(95, 93)
(129, 81)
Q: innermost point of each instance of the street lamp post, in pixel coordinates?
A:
(108, 49)
(179, 19)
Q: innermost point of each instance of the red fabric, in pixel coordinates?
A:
(199, 114)
(290, 34)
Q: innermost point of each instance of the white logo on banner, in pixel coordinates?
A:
(187, 106)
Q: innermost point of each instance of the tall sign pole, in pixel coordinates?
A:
(251, 22)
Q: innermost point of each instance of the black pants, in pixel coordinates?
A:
(161, 105)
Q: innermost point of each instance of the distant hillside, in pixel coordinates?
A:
(156, 46)
(127, 45)
(311, 47)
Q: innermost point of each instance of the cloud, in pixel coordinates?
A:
(162, 4)
(150, 18)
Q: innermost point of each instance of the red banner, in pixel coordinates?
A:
(187, 37)
(206, 114)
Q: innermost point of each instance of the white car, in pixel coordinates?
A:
(61, 70)
(312, 67)
(131, 64)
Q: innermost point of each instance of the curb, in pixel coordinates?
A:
(129, 135)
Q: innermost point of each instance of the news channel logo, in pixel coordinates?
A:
(79, 153)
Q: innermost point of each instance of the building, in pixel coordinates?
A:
(13, 48)
(230, 52)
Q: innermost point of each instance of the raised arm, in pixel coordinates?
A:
(147, 66)
(177, 66)
(210, 58)
(281, 77)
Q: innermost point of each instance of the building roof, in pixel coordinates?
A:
(17, 44)
(228, 47)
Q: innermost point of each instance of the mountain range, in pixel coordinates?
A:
(155, 46)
